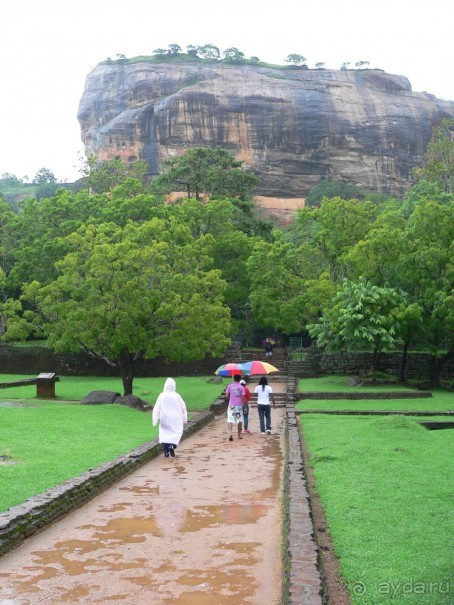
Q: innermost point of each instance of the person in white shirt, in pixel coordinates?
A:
(264, 395)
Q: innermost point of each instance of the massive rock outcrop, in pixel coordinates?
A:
(290, 126)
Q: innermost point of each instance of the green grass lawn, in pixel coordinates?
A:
(50, 442)
(196, 391)
(335, 383)
(440, 401)
(386, 485)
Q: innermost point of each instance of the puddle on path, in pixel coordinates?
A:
(202, 517)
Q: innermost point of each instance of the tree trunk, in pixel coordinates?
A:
(125, 366)
(403, 363)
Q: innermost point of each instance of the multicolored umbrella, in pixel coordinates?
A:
(230, 369)
(258, 367)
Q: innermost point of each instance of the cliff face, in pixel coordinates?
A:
(292, 127)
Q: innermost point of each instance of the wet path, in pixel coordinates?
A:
(200, 529)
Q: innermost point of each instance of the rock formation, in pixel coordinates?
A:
(290, 126)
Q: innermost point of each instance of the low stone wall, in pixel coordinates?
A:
(18, 383)
(219, 406)
(36, 359)
(417, 367)
(357, 396)
(24, 520)
(372, 413)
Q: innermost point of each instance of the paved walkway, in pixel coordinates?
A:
(203, 528)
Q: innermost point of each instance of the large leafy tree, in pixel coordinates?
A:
(415, 255)
(438, 162)
(427, 271)
(288, 288)
(44, 176)
(333, 228)
(209, 52)
(424, 191)
(230, 247)
(296, 59)
(139, 291)
(203, 171)
(361, 317)
(233, 55)
(104, 176)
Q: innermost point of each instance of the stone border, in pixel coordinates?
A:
(302, 579)
(36, 513)
(373, 413)
(354, 396)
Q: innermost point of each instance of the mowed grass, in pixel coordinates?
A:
(196, 391)
(334, 383)
(386, 485)
(46, 443)
(441, 401)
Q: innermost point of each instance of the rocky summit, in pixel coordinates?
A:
(290, 126)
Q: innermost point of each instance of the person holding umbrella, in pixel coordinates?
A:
(264, 394)
(236, 397)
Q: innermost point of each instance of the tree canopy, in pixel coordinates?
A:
(203, 171)
(116, 271)
(438, 162)
(144, 290)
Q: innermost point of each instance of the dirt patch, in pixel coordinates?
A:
(5, 460)
(16, 404)
(335, 589)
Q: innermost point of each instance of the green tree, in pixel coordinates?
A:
(10, 180)
(192, 50)
(331, 230)
(330, 189)
(361, 317)
(44, 176)
(174, 49)
(233, 55)
(209, 52)
(424, 191)
(414, 255)
(287, 289)
(141, 291)
(295, 59)
(101, 177)
(427, 272)
(202, 171)
(438, 162)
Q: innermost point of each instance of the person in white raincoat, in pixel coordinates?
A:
(170, 411)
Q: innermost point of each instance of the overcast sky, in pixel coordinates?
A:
(48, 47)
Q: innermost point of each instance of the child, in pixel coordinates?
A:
(246, 407)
